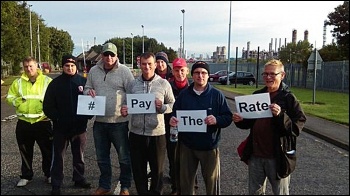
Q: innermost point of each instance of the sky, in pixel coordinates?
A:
(207, 24)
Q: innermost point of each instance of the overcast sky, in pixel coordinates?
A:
(206, 23)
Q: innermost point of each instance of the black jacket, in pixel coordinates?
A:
(60, 104)
(291, 115)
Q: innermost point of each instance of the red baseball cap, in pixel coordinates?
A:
(179, 62)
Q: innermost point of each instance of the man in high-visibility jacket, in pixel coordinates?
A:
(26, 94)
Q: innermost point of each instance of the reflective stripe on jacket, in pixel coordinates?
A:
(28, 98)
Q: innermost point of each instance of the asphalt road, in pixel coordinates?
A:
(322, 168)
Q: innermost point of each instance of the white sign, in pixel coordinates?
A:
(191, 120)
(254, 106)
(91, 106)
(141, 103)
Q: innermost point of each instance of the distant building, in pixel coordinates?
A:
(220, 54)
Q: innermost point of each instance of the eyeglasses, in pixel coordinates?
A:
(200, 72)
(272, 75)
(109, 54)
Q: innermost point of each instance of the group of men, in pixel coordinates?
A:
(143, 139)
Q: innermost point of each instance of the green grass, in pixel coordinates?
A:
(8, 81)
(332, 106)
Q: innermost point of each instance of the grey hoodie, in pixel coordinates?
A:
(113, 86)
(151, 124)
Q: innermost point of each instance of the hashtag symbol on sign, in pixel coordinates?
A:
(91, 105)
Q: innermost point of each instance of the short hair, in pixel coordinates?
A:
(276, 63)
(29, 59)
(147, 55)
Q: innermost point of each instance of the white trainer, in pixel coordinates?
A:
(48, 180)
(23, 182)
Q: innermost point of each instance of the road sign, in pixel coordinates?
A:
(314, 57)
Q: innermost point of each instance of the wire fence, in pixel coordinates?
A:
(333, 75)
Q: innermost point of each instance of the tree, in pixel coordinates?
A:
(340, 20)
(296, 53)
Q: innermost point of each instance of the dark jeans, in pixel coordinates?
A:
(60, 145)
(145, 149)
(106, 134)
(27, 134)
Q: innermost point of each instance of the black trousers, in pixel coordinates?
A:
(60, 145)
(27, 134)
(145, 149)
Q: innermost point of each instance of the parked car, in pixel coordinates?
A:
(215, 76)
(243, 77)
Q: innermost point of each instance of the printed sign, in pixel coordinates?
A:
(191, 120)
(254, 106)
(141, 103)
(88, 105)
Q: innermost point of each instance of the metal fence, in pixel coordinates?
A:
(6, 69)
(333, 76)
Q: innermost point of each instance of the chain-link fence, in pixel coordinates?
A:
(6, 69)
(333, 76)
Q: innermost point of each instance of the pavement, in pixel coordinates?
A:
(334, 133)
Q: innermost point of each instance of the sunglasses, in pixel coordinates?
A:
(109, 54)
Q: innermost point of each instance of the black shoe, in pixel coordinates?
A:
(56, 191)
(82, 184)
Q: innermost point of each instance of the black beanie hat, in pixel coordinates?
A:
(200, 64)
(68, 59)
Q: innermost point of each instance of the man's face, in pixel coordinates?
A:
(109, 59)
(148, 66)
(200, 76)
(273, 77)
(180, 73)
(30, 68)
(70, 68)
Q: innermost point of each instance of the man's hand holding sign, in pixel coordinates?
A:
(256, 106)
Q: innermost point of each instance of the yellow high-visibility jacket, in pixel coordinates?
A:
(28, 98)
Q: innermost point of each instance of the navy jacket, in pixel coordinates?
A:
(214, 102)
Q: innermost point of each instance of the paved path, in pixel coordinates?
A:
(332, 132)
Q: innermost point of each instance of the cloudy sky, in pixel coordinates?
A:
(206, 24)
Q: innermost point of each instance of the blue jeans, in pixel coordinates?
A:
(106, 134)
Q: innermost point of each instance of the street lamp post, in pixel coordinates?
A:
(132, 50)
(123, 51)
(183, 34)
(143, 39)
(39, 61)
(30, 29)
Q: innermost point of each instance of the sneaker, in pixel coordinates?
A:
(23, 182)
(48, 180)
(174, 192)
(82, 184)
(102, 191)
(124, 192)
(56, 191)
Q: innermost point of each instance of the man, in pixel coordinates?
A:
(178, 84)
(201, 147)
(109, 78)
(147, 131)
(60, 105)
(26, 94)
(261, 150)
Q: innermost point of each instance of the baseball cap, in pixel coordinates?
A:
(109, 47)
